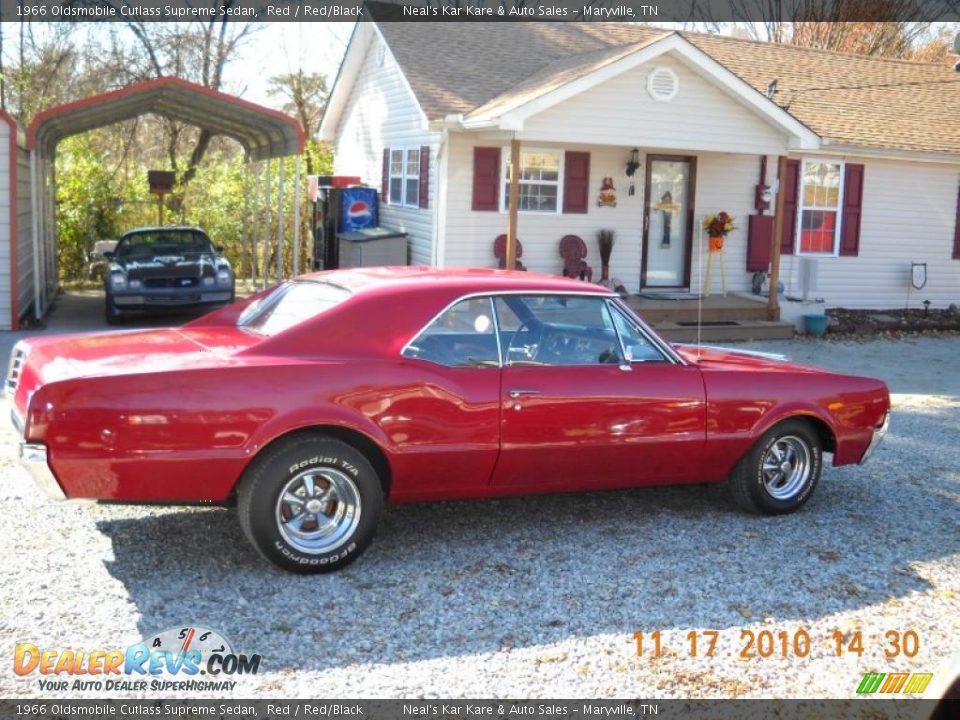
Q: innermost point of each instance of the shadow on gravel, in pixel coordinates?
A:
(460, 578)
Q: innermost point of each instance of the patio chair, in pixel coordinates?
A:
(574, 252)
(500, 252)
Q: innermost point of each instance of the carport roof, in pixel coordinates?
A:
(263, 132)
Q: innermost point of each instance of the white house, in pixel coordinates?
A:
(427, 112)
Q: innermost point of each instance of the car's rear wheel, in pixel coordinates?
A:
(310, 504)
(781, 471)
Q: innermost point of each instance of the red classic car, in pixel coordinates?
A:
(313, 403)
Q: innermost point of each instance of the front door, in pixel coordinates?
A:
(668, 221)
(576, 414)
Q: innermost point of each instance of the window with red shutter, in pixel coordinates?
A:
(852, 204)
(576, 182)
(425, 176)
(791, 200)
(486, 178)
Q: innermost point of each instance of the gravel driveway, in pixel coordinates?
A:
(537, 597)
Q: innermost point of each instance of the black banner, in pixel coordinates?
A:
(472, 709)
(687, 11)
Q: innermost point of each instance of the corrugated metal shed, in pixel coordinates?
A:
(263, 132)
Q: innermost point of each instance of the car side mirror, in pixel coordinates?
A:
(219, 248)
(108, 255)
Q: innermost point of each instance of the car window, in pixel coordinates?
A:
(290, 304)
(636, 344)
(162, 242)
(462, 336)
(557, 330)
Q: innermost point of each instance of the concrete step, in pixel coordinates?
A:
(730, 330)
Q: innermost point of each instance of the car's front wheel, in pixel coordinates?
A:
(112, 315)
(781, 471)
(310, 504)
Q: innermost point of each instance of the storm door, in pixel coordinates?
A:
(668, 221)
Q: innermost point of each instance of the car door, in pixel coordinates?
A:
(443, 414)
(589, 400)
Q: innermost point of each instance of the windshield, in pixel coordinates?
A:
(289, 305)
(162, 242)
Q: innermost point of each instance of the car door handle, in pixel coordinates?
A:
(520, 391)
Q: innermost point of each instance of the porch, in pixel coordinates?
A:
(719, 318)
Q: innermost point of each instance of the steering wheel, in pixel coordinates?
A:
(527, 351)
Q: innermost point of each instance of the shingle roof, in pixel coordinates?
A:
(846, 99)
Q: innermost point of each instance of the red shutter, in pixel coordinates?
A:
(576, 182)
(486, 178)
(790, 202)
(956, 231)
(385, 178)
(852, 202)
(425, 176)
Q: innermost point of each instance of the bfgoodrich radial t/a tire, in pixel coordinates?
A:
(310, 504)
(781, 471)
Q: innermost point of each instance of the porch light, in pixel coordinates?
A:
(633, 163)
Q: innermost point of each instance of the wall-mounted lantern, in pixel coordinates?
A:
(633, 163)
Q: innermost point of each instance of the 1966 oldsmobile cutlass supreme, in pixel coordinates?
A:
(313, 403)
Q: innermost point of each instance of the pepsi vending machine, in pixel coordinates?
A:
(339, 207)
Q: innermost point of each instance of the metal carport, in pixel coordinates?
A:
(265, 134)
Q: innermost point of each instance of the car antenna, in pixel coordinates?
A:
(700, 293)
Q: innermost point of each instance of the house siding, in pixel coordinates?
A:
(724, 182)
(908, 215)
(381, 113)
(621, 112)
(470, 234)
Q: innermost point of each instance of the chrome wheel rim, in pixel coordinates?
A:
(786, 467)
(318, 510)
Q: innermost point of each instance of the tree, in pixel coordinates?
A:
(198, 51)
(305, 97)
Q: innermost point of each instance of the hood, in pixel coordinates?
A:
(720, 358)
(64, 357)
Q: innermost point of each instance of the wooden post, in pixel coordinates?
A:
(773, 303)
(510, 257)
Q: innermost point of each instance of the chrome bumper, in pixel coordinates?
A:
(878, 435)
(33, 456)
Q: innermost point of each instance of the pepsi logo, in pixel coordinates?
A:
(359, 210)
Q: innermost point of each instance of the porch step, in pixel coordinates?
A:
(714, 308)
(724, 330)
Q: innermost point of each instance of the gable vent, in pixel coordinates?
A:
(662, 84)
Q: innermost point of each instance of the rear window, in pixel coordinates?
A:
(290, 304)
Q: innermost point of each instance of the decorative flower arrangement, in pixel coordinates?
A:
(717, 226)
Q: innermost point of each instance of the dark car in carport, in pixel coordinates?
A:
(165, 268)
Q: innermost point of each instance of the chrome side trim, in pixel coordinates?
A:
(878, 435)
(33, 456)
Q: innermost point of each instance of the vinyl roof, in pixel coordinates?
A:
(264, 133)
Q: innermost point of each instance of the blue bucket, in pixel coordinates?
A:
(815, 325)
